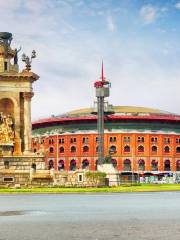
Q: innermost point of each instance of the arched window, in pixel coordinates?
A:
(61, 165)
(73, 165)
(35, 150)
(51, 141)
(178, 150)
(166, 149)
(127, 165)
(114, 162)
(141, 165)
(51, 149)
(140, 148)
(154, 139)
(61, 149)
(51, 164)
(73, 149)
(154, 165)
(112, 149)
(127, 149)
(167, 165)
(85, 164)
(140, 139)
(154, 149)
(7, 106)
(178, 165)
(85, 149)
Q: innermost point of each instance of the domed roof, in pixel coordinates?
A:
(121, 110)
(121, 114)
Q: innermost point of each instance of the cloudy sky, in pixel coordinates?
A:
(138, 40)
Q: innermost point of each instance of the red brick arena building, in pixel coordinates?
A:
(140, 141)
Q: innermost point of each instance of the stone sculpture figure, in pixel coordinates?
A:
(16, 55)
(6, 129)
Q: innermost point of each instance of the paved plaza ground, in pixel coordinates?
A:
(125, 216)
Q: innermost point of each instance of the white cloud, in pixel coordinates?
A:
(148, 13)
(70, 47)
(37, 7)
(10, 5)
(177, 5)
(110, 24)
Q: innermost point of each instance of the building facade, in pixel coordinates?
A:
(138, 141)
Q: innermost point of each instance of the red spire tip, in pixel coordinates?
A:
(102, 72)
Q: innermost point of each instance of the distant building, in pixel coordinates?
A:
(140, 141)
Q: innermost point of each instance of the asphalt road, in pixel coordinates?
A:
(129, 216)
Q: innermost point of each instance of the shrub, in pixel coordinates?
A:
(96, 177)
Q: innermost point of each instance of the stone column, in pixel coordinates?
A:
(27, 121)
(17, 138)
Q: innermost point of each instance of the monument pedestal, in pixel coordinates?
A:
(111, 173)
(17, 169)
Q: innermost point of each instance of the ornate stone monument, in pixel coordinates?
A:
(15, 113)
